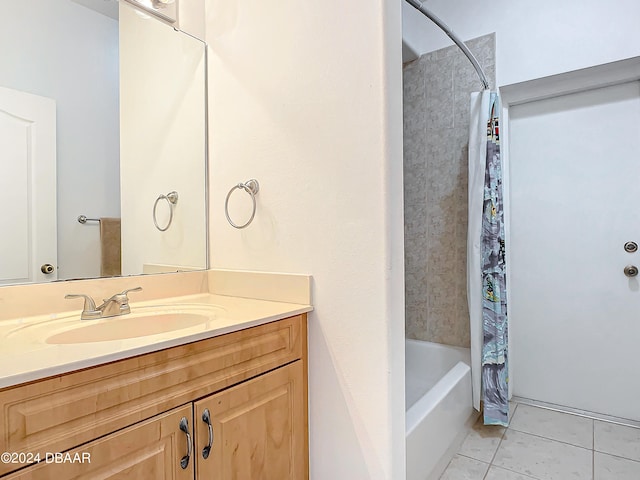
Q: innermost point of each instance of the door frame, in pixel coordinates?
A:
(599, 76)
(43, 223)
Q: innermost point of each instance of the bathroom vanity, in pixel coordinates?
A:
(225, 399)
(206, 375)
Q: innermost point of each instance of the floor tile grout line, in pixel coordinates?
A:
(497, 448)
(471, 458)
(492, 464)
(494, 453)
(595, 416)
(551, 439)
(493, 457)
(593, 439)
(500, 443)
(526, 475)
(515, 429)
(445, 468)
(616, 456)
(484, 477)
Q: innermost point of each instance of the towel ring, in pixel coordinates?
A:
(172, 199)
(252, 187)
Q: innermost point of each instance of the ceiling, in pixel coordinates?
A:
(105, 7)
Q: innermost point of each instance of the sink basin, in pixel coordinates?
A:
(143, 321)
(120, 328)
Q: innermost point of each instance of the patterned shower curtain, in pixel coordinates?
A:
(486, 286)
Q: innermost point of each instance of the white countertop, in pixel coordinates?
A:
(25, 354)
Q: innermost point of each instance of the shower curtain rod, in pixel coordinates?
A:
(443, 26)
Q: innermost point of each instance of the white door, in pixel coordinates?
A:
(28, 187)
(575, 201)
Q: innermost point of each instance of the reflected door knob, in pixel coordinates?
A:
(47, 268)
(631, 270)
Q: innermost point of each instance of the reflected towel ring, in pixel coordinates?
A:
(172, 199)
(252, 187)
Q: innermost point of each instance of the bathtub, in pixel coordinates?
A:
(438, 404)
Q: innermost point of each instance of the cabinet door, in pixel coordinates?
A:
(258, 427)
(151, 450)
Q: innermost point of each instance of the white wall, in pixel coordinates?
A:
(533, 39)
(162, 119)
(313, 111)
(41, 54)
(191, 17)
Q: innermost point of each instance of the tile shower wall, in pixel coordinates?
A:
(436, 131)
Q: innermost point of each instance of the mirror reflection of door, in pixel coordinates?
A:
(28, 185)
(70, 51)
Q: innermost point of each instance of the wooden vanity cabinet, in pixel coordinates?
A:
(255, 402)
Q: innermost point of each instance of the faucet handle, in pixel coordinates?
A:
(121, 298)
(89, 304)
(136, 289)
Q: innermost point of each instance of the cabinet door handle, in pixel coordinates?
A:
(184, 426)
(206, 418)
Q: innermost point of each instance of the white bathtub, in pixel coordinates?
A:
(438, 403)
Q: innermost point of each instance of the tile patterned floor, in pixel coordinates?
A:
(542, 444)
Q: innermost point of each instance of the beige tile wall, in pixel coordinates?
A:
(436, 130)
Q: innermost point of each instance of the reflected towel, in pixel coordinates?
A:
(110, 247)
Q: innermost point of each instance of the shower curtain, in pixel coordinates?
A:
(486, 275)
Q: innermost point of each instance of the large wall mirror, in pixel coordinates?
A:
(102, 115)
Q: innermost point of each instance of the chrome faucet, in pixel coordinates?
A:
(113, 306)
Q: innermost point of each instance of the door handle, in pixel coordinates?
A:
(206, 418)
(184, 426)
(47, 268)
